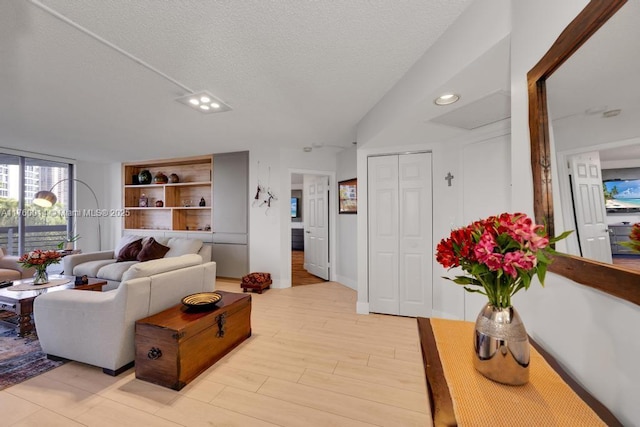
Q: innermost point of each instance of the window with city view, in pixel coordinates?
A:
(23, 225)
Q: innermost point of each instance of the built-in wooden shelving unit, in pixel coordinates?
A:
(180, 210)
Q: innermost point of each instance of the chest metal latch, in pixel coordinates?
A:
(221, 320)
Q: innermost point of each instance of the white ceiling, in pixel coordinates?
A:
(296, 73)
(602, 75)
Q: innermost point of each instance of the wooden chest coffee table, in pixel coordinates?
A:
(176, 345)
(21, 302)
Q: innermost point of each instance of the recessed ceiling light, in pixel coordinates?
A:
(204, 102)
(446, 99)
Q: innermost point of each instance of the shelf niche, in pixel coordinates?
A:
(181, 200)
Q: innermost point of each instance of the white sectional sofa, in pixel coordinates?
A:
(98, 328)
(104, 265)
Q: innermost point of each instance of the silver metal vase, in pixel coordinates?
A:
(501, 346)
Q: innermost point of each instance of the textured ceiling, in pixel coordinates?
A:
(296, 72)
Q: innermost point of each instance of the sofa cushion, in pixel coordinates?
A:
(130, 251)
(90, 268)
(152, 250)
(180, 246)
(124, 241)
(115, 270)
(7, 274)
(157, 266)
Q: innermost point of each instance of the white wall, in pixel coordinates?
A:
(480, 28)
(264, 225)
(347, 227)
(593, 335)
(102, 179)
(486, 191)
(270, 231)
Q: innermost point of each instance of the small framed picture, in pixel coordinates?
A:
(348, 196)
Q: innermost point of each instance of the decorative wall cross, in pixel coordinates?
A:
(448, 178)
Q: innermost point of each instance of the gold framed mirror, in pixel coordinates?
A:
(618, 281)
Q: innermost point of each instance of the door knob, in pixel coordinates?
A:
(308, 232)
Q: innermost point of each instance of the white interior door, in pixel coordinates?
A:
(384, 293)
(589, 207)
(400, 234)
(316, 240)
(415, 234)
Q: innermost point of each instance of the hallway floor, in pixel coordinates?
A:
(300, 276)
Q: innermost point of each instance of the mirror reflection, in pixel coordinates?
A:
(594, 116)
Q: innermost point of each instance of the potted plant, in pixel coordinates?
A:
(67, 243)
(500, 256)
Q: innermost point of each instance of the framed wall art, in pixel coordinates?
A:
(348, 196)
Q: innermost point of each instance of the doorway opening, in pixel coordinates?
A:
(309, 229)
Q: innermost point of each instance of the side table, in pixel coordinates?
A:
(447, 351)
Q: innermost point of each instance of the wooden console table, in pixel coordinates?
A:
(548, 399)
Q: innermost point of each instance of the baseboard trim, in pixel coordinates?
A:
(115, 373)
(281, 284)
(350, 283)
(362, 307)
(444, 315)
(56, 358)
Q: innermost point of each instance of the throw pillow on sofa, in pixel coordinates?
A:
(130, 251)
(124, 241)
(152, 250)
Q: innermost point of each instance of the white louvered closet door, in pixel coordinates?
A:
(400, 236)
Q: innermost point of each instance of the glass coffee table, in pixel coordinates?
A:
(18, 298)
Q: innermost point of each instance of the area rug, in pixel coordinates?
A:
(20, 358)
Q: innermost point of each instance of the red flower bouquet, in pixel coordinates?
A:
(500, 254)
(634, 238)
(39, 259)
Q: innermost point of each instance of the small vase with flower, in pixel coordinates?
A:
(500, 256)
(40, 260)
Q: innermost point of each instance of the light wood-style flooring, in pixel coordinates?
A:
(311, 361)
(300, 276)
(629, 261)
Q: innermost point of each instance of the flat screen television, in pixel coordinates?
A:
(294, 207)
(622, 195)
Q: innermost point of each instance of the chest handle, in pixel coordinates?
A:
(221, 320)
(154, 353)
